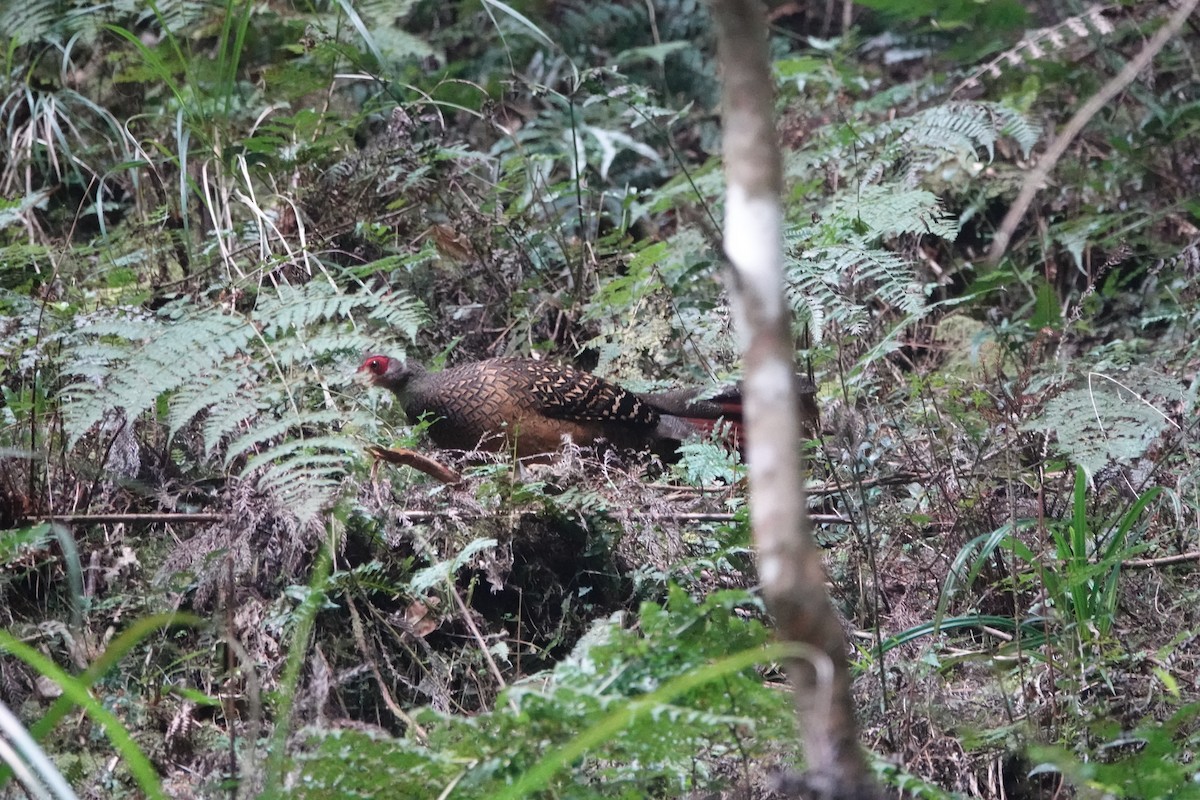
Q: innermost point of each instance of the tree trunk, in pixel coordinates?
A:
(789, 560)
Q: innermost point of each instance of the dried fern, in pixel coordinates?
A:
(1037, 44)
(1111, 416)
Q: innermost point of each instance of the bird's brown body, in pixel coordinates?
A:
(533, 407)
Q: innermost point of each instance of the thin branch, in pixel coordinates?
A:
(1162, 561)
(402, 516)
(482, 642)
(361, 640)
(132, 519)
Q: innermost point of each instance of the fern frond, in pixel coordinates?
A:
(833, 283)
(1018, 127)
(288, 449)
(884, 211)
(264, 431)
(962, 128)
(161, 359)
(304, 495)
(177, 15)
(399, 311)
(84, 406)
(912, 148)
(226, 418)
(28, 22)
(840, 265)
(292, 309)
(955, 128)
(94, 359)
(1112, 416)
(305, 478)
(251, 377)
(121, 323)
(327, 343)
(198, 395)
(312, 466)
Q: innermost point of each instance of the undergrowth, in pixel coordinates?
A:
(209, 213)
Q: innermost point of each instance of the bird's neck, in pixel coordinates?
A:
(402, 380)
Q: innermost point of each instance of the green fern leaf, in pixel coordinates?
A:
(833, 284)
(293, 309)
(28, 22)
(264, 431)
(400, 312)
(288, 449)
(886, 211)
(198, 395)
(251, 377)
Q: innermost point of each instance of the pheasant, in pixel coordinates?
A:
(531, 406)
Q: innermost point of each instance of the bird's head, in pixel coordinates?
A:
(390, 373)
(376, 366)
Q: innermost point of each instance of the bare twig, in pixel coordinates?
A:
(824, 519)
(829, 487)
(403, 516)
(361, 640)
(133, 519)
(411, 458)
(1161, 561)
(483, 647)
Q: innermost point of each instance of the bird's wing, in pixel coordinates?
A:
(568, 393)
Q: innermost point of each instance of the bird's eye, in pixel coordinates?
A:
(376, 365)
